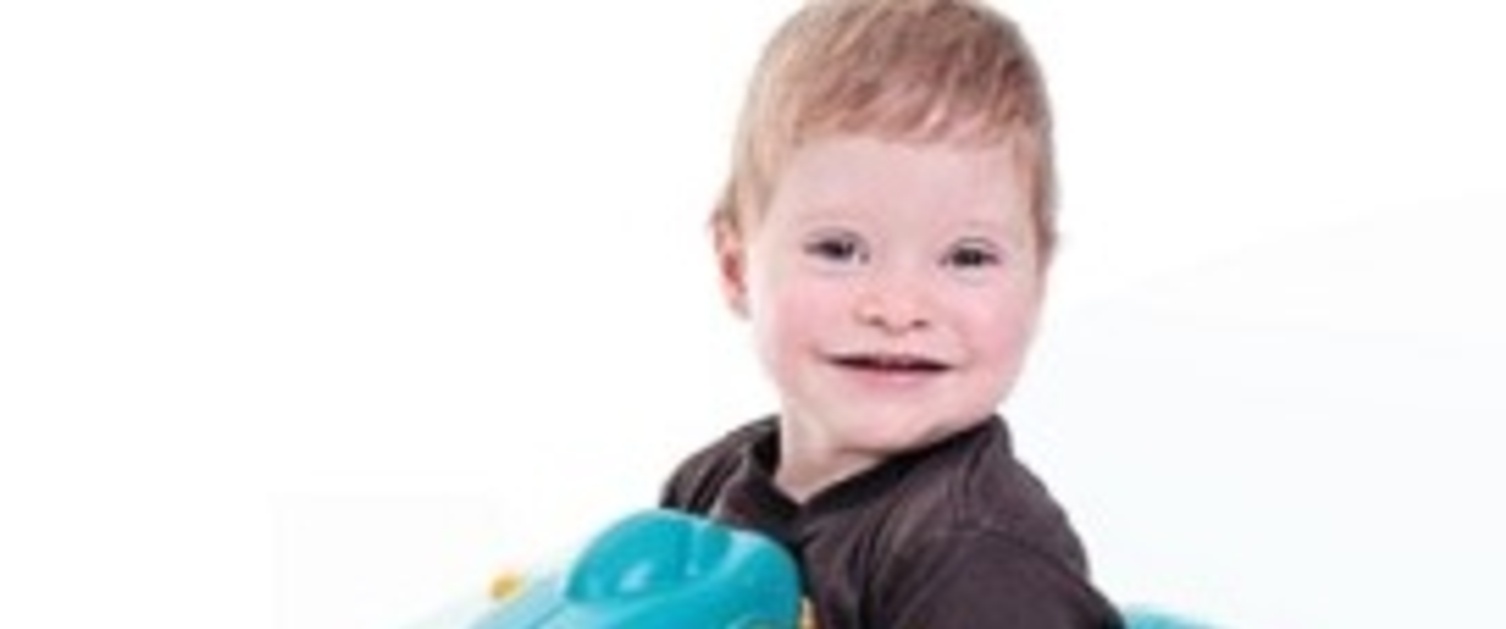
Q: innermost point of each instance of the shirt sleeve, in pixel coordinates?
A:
(984, 579)
(695, 484)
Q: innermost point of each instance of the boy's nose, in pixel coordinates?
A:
(893, 310)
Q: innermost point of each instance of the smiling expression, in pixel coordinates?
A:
(893, 289)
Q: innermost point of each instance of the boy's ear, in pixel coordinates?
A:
(732, 265)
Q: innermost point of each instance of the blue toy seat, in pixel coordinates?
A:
(660, 568)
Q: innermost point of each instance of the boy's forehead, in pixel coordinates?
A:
(966, 139)
(841, 164)
(855, 175)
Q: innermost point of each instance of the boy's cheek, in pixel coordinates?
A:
(807, 302)
(792, 317)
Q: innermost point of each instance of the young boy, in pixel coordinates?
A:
(887, 231)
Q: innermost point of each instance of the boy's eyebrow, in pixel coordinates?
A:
(827, 213)
(988, 224)
(989, 227)
(992, 224)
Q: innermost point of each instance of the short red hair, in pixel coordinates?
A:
(909, 70)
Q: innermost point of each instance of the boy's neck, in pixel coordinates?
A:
(805, 467)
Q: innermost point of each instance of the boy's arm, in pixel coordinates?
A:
(985, 579)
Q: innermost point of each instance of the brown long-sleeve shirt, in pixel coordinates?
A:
(958, 535)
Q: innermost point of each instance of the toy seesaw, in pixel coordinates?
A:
(663, 568)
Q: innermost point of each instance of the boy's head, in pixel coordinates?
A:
(946, 71)
(888, 224)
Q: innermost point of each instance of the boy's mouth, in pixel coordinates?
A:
(891, 363)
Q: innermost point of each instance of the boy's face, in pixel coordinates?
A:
(893, 289)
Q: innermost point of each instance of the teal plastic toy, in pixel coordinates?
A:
(660, 569)
(1146, 618)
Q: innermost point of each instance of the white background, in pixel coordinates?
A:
(316, 314)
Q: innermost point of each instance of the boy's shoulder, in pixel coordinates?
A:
(971, 485)
(697, 481)
(949, 534)
(972, 533)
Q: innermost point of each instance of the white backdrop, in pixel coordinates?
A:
(316, 314)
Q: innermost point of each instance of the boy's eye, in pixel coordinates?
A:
(972, 255)
(840, 248)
